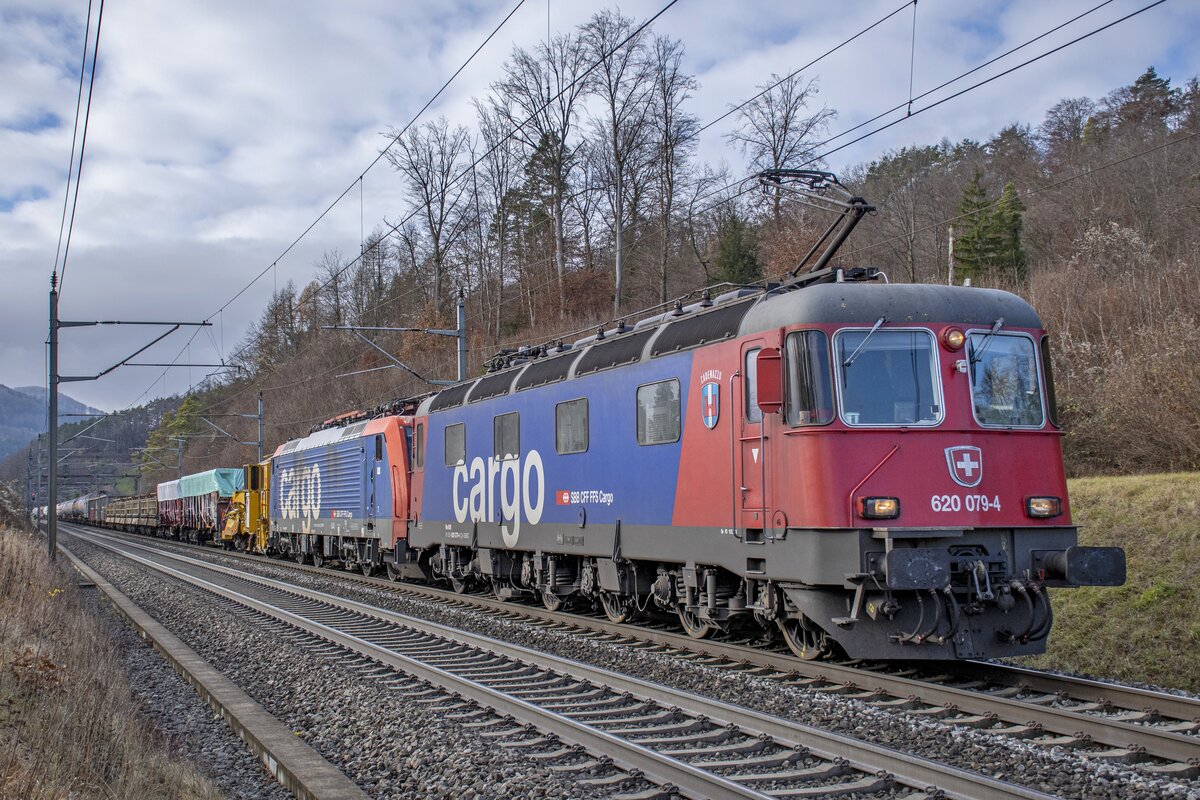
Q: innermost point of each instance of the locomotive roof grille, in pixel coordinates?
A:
(551, 370)
(623, 350)
(492, 386)
(711, 326)
(451, 397)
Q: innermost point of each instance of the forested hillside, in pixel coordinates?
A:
(599, 208)
(1087, 212)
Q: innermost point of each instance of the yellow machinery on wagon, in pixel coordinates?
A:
(248, 525)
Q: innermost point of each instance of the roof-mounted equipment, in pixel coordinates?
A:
(821, 190)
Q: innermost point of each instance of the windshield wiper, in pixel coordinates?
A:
(977, 353)
(863, 343)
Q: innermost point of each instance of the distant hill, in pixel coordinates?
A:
(23, 415)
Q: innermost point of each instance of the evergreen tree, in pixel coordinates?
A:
(1007, 222)
(972, 243)
(737, 261)
(991, 237)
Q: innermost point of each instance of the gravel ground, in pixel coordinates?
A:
(193, 730)
(1056, 770)
(392, 746)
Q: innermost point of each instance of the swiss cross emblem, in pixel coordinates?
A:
(710, 403)
(965, 464)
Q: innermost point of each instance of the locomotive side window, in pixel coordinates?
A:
(658, 415)
(571, 426)
(1005, 390)
(506, 430)
(888, 377)
(750, 370)
(810, 381)
(456, 444)
(1051, 398)
(418, 447)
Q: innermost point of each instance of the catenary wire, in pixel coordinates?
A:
(743, 181)
(62, 224)
(87, 113)
(957, 94)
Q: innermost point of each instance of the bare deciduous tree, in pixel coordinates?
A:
(540, 95)
(674, 132)
(430, 159)
(622, 86)
(776, 130)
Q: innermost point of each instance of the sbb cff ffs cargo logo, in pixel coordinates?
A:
(512, 483)
(965, 464)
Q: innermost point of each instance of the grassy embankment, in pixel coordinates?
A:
(1149, 629)
(69, 727)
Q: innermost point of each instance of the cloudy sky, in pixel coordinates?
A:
(220, 130)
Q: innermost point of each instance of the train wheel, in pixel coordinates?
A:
(318, 559)
(393, 572)
(693, 626)
(805, 640)
(551, 601)
(616, 608)
(458, 585)
(298, 556)
(366, 568)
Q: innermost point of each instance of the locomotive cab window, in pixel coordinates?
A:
(456, 444)
(418, 447)
(1005, 390)
(810, 381)
(507, 436)
(888, 377)
(658, 414)
(571, 426)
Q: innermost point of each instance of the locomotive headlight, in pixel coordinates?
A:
(879, 507)
(1043, 507)
(953, 338)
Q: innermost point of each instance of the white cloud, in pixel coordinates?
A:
(218, 133)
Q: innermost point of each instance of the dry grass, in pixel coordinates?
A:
(1149, 629)
(69, 726)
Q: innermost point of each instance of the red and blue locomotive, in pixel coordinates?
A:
(865, 467)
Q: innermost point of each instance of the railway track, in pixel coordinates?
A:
(571, 715)
(1156, 731)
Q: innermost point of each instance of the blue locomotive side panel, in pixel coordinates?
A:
(607, 475)
(325, 484)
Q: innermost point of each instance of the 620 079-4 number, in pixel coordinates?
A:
(969, 502)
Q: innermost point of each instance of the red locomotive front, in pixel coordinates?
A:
(895, 471)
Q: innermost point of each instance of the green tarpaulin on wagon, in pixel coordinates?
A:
(222, 481)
